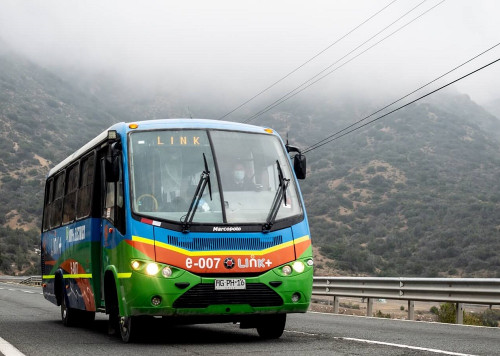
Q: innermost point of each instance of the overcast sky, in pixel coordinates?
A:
(236, 48)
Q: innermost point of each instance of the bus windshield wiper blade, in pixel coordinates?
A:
(202, 183)
(280, 195)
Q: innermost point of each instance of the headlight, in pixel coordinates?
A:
(166, 272)
(298, 266)
(152, 269)
(286, 270)
(135, 265)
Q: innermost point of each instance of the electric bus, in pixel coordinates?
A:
(195, 221)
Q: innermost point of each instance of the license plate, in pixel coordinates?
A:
(226, 284)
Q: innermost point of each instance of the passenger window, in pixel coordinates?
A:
(69, 206)
(56, 210)
(84, 202)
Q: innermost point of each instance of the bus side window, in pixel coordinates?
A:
(69, 205)
(120, 208)
(109, 202)
(56, 210)
(85, 193)
(49, 190)
(114, 201)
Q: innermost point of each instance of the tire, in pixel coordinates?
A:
(68, 315)
(113, 324)
(272, 326)
(129, 328)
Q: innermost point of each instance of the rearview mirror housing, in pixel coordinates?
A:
(299, 166)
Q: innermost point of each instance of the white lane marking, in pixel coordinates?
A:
(8, 350)
(403, 320)
(300, 332)
(20, 290)
(404, 346)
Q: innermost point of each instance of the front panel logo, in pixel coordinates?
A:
(226, 228)
(229, 263)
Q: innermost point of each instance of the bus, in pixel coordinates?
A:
(192, 220)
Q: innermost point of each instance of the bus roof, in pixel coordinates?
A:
(196, 123)
(123, 127)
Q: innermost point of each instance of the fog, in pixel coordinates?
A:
(231, 50)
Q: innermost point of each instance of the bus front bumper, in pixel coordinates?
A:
(190, 295)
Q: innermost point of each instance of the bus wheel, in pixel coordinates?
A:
(271, 326)
(68, 315)
(129, 328)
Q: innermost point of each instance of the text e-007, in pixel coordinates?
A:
(203, 262)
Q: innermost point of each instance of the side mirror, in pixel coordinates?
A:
(299, 166)
(113, 163)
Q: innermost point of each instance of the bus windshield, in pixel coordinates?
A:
(166, 166)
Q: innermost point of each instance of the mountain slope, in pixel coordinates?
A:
(43, 120)
(415, 194)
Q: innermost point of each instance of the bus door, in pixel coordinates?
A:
(112, 206)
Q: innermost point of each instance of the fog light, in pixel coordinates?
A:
(295, 297)
(136, 265)
(310, 262)
(298, 266)
(152, 269)
(286, 270)
(166, 272)
(156, 300)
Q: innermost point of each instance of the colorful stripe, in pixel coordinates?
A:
(230, 252)
(80, 275)
(124, 275)
(233, 261)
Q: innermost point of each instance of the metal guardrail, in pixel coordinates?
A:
(32, 281)
(454, 290)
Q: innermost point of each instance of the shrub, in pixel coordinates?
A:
(490, 317)
(447, 313)
(379, 314)
(472, 319)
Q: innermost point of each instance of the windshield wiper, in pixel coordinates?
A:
(202, 183)
(280, 195)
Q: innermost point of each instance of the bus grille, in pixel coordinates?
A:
(224, 243)
(203, 295)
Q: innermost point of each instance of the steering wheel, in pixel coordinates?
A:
(151, 196)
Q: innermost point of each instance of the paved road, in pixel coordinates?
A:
(33, 326)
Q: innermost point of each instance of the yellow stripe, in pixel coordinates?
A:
(82, 275)
(124, 275)
(204, 253)
(143, 240)
(120, 275)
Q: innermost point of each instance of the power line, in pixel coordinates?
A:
(401, 107)
(403, 97)
(309, 60)
(296, 91)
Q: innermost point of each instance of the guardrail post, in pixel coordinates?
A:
(460, 313)
(411, 310)
(369, 306)
(335, 304)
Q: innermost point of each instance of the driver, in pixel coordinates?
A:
(241, 180)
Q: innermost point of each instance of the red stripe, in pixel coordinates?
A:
(147, 221)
